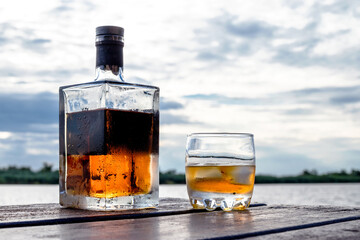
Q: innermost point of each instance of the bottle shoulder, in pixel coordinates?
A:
(111, 82)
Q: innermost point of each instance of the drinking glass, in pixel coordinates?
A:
(220, 170)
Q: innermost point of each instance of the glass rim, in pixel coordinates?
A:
(220, 134)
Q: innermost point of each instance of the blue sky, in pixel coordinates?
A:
(286, 71)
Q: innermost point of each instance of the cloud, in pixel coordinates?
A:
(62, 9)
(326, 95)
(29, 149)
(329, 96)
(168, 118)
(239, 42)
(293, 3)
(248, 29)
(326, 155)
(25, 112)
(236, 38)
(304, 58)
(3, 41)
(4, 28)
(55, 74)
(338, 7)
(167, 105)
(137, 80)
(247, 37)
(345, 99)
(22, 37)
(36, 45)
(222, 99)
(208, 56)
(299, 111)
(36, 42)
(286, 156)
(274, 161)
(65, 7)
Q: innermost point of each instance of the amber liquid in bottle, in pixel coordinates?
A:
(109, 152)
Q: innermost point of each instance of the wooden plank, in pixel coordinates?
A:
(259, 221)
(347, 230)
(49, 214)
(55, 211)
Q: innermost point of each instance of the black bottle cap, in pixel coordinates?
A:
(109, 30)
(109, 44)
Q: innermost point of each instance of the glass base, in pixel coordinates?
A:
(227, 202)
(109, 204)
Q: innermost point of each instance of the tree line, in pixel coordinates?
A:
(312, 177)
(46, 175)
(25, 175)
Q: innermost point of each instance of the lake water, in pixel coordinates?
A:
(341, 194)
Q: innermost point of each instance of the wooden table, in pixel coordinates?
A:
(175, 219)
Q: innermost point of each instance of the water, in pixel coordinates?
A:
(339, 194)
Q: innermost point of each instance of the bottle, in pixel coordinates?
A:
(109, 136)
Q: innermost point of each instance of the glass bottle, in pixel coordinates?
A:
(109, 135)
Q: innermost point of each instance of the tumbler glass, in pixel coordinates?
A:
(220, 170)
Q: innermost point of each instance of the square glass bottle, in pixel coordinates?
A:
(109, 136)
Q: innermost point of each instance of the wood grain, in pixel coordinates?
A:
(347, 230)
(50, 214)
(269, 221)
(43, 212)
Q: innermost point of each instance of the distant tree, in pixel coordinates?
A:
(171, 177)
(343, 172)
(355, 172)
(172, 171)
(47, 167)
(12, 168)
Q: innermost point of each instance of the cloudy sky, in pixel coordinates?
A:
(286, 71)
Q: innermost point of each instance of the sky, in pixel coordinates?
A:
(286, 71)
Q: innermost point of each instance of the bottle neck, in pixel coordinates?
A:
(109, 60)
(109, 72)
